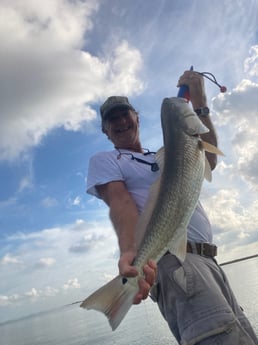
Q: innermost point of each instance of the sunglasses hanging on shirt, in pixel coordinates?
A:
(154, 166)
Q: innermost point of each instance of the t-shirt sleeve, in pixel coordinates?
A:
(103, 168)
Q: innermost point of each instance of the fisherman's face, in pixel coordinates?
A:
(122, 127)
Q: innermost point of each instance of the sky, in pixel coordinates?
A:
(59, 61)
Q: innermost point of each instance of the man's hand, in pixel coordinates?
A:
(195, 82)
(127, 270)
(145, 284)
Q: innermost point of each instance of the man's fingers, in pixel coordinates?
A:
(125, 265)
(127, 271)
(143, 292)
(150, 273)
(190, 77)
(153, 265)
(137, 298)
(145, 284)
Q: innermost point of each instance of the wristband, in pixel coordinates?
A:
(203, 111)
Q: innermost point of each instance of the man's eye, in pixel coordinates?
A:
(115, 118)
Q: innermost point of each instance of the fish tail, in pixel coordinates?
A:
(113, 299)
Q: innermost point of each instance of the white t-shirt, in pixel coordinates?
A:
(111, 166)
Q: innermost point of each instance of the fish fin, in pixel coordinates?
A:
(211, 148)
(113, 299)
(160, 155)
(178, 247)
(207, 170)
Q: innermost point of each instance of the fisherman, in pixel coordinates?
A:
(194, 297)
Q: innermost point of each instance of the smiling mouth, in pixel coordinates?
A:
(122, 130)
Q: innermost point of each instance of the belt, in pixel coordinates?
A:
(203, 249)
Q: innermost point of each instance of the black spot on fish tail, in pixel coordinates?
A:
(124, 280)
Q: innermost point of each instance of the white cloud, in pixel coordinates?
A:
(4, 300)
(60, 251)
(72, 284)
(45, 262)
(81, 233)
(90, 241)
(243, 234)
(33, 293)
(124, 63)
(10, 259)
(237, 115)
(232, 214)
(234, 222)
(80, 225)
(49, 202)
(25, 183)
(50, 291)
(53, 81)
(7, 300)
(227, 213)
(251, 63)
(76, 201)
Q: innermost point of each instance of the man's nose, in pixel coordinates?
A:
(121, 119)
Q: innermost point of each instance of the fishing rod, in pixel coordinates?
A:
(184, 89)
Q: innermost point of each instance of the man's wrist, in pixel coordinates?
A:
(202, 111)
(130, 253)
(199, 102)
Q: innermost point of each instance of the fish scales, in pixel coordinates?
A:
(180, 185)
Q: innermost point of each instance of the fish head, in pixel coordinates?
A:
(176, 110)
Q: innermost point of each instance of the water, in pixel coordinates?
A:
(71, 325)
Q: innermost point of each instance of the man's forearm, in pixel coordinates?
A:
(199, 100)
(211, 138)
(124, 216)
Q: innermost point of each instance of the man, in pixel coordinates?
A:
(194, 297)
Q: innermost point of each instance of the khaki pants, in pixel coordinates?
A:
(198, 304)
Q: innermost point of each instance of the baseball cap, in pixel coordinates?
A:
(112, 103)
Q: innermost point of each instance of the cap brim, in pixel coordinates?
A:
(113, 107)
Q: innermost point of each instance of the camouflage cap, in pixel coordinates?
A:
(112, 103)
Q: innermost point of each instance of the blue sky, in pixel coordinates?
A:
(59, 60)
